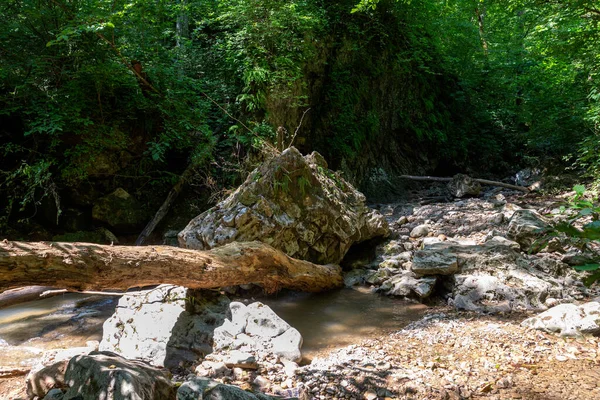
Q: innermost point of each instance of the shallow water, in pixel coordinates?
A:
(325, 320)
(68, 320)
(336, 319)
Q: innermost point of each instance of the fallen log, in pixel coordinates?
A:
(22, 295)
(482, 181)
(87, 266)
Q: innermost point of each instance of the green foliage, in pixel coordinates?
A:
(582, 227)
(130, 92)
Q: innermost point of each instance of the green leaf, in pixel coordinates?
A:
(587, 267)
(579, 189)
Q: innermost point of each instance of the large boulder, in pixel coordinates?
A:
(49, 371)
(526, 227)
(170, 325)
(463, 186)
(568, 320)
(165, 326)
(296, 205)
(107, 376)
(120, 210)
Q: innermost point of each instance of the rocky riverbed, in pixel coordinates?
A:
(474, 262)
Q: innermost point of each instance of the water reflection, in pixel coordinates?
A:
(339, 318)
(61, 321)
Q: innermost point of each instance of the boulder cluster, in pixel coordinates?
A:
(486, 255)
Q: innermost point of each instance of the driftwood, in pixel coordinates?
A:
(87, 266)
(22, 295)
(482, 181)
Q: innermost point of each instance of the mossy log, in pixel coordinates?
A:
(87, 266)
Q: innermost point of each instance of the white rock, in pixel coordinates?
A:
(568, 319)
(263, 322)
(288, 345)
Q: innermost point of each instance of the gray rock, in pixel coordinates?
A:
(119, 210)
(420, 231)
(294, 204)
(463, 185)
(107, 376)
(39, 383)
(356, 277)
(240, 359)
(407, 284)
(526, 227)
(568, 320)
(435, 260)
(290, 368)
(495, 277)
(49, 370)
(527, 176)
(54, 394)
(206, 389)
(257, 329)
(379, 276)
(213, 369)
(431, 240)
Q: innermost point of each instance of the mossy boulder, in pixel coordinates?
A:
(296, 205)
(121, 211)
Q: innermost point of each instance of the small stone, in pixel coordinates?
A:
(370, 395)
(262, 383)
(240, 359)
(420, 231)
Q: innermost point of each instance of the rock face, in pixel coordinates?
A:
(162, 327)
(568, 320)
(296, 205)
(494, 276)
(525, 227)
(119, 210)
(107, 376)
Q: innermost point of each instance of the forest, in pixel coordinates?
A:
(299, 199)
(97, 95)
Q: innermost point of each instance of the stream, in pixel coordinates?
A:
(326, 321)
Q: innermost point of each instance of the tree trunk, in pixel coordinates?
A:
(83, 266)
(164, 209)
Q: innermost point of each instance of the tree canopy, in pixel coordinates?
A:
(98, 93)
